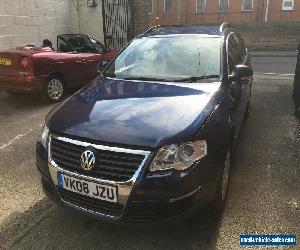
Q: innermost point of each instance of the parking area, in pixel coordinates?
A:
(264, 194)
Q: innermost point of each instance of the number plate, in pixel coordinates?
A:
(4, 61)
(87, 188)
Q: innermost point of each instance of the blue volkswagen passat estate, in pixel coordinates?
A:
(151, 138)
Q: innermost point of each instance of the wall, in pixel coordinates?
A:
(87, 20)
(141, 17)
(30, 21)
(279, 36)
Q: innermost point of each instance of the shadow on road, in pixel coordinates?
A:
(26, 100)
(21, 100)
(50, 226)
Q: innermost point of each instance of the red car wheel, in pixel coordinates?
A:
(55, 89)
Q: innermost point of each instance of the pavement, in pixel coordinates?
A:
(264, 194)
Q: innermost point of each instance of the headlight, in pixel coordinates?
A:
(44, 135)
(179, 157)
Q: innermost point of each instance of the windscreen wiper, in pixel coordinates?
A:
(196, 78)
(142, 78)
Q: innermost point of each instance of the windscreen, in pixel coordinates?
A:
(168, 58)
(79, 43)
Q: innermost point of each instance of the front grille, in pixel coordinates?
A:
(98, 206)
(151, 211)
(110, 165)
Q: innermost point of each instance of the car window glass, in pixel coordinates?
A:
(233, 54)
(63, 46)
(98, 46)
(79, 43)
(241, 50)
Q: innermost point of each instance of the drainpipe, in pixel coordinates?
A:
(267, 11)
(77, 8)
(179, 10)
(157, 13)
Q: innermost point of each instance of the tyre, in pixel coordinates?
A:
(222, 186)
(55, 89)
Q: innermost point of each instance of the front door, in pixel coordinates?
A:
(237, 89)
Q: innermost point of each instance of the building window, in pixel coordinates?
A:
(149, 7)
(223, 5)
(201, 6)
(288, 5)
(248, 5)
(168, 6)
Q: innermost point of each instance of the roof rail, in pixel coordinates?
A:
(151, 29)
(225, 25)
(160, 26)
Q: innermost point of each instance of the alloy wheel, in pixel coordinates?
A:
(55, 89)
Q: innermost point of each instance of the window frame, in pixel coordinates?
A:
(150, 13)
(252, 5)
(202, 11)
(220, 6)
(169, 12)
(288, 8)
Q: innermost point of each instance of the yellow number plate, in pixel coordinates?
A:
(4, 61)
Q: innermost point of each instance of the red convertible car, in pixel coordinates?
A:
(44, 70)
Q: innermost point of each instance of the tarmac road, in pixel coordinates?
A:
(264, 194)
(279, 65)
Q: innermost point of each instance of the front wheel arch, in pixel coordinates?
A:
(220, 197)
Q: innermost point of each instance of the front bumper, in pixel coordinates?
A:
(168, 196)
(22, 83)
(133, 212)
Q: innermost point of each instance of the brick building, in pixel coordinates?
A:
(217, 11)
(265, 24)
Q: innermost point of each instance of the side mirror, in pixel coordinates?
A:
(242, 72)
(101, 66)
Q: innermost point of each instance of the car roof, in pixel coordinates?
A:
(191, 30)
(72, 34)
